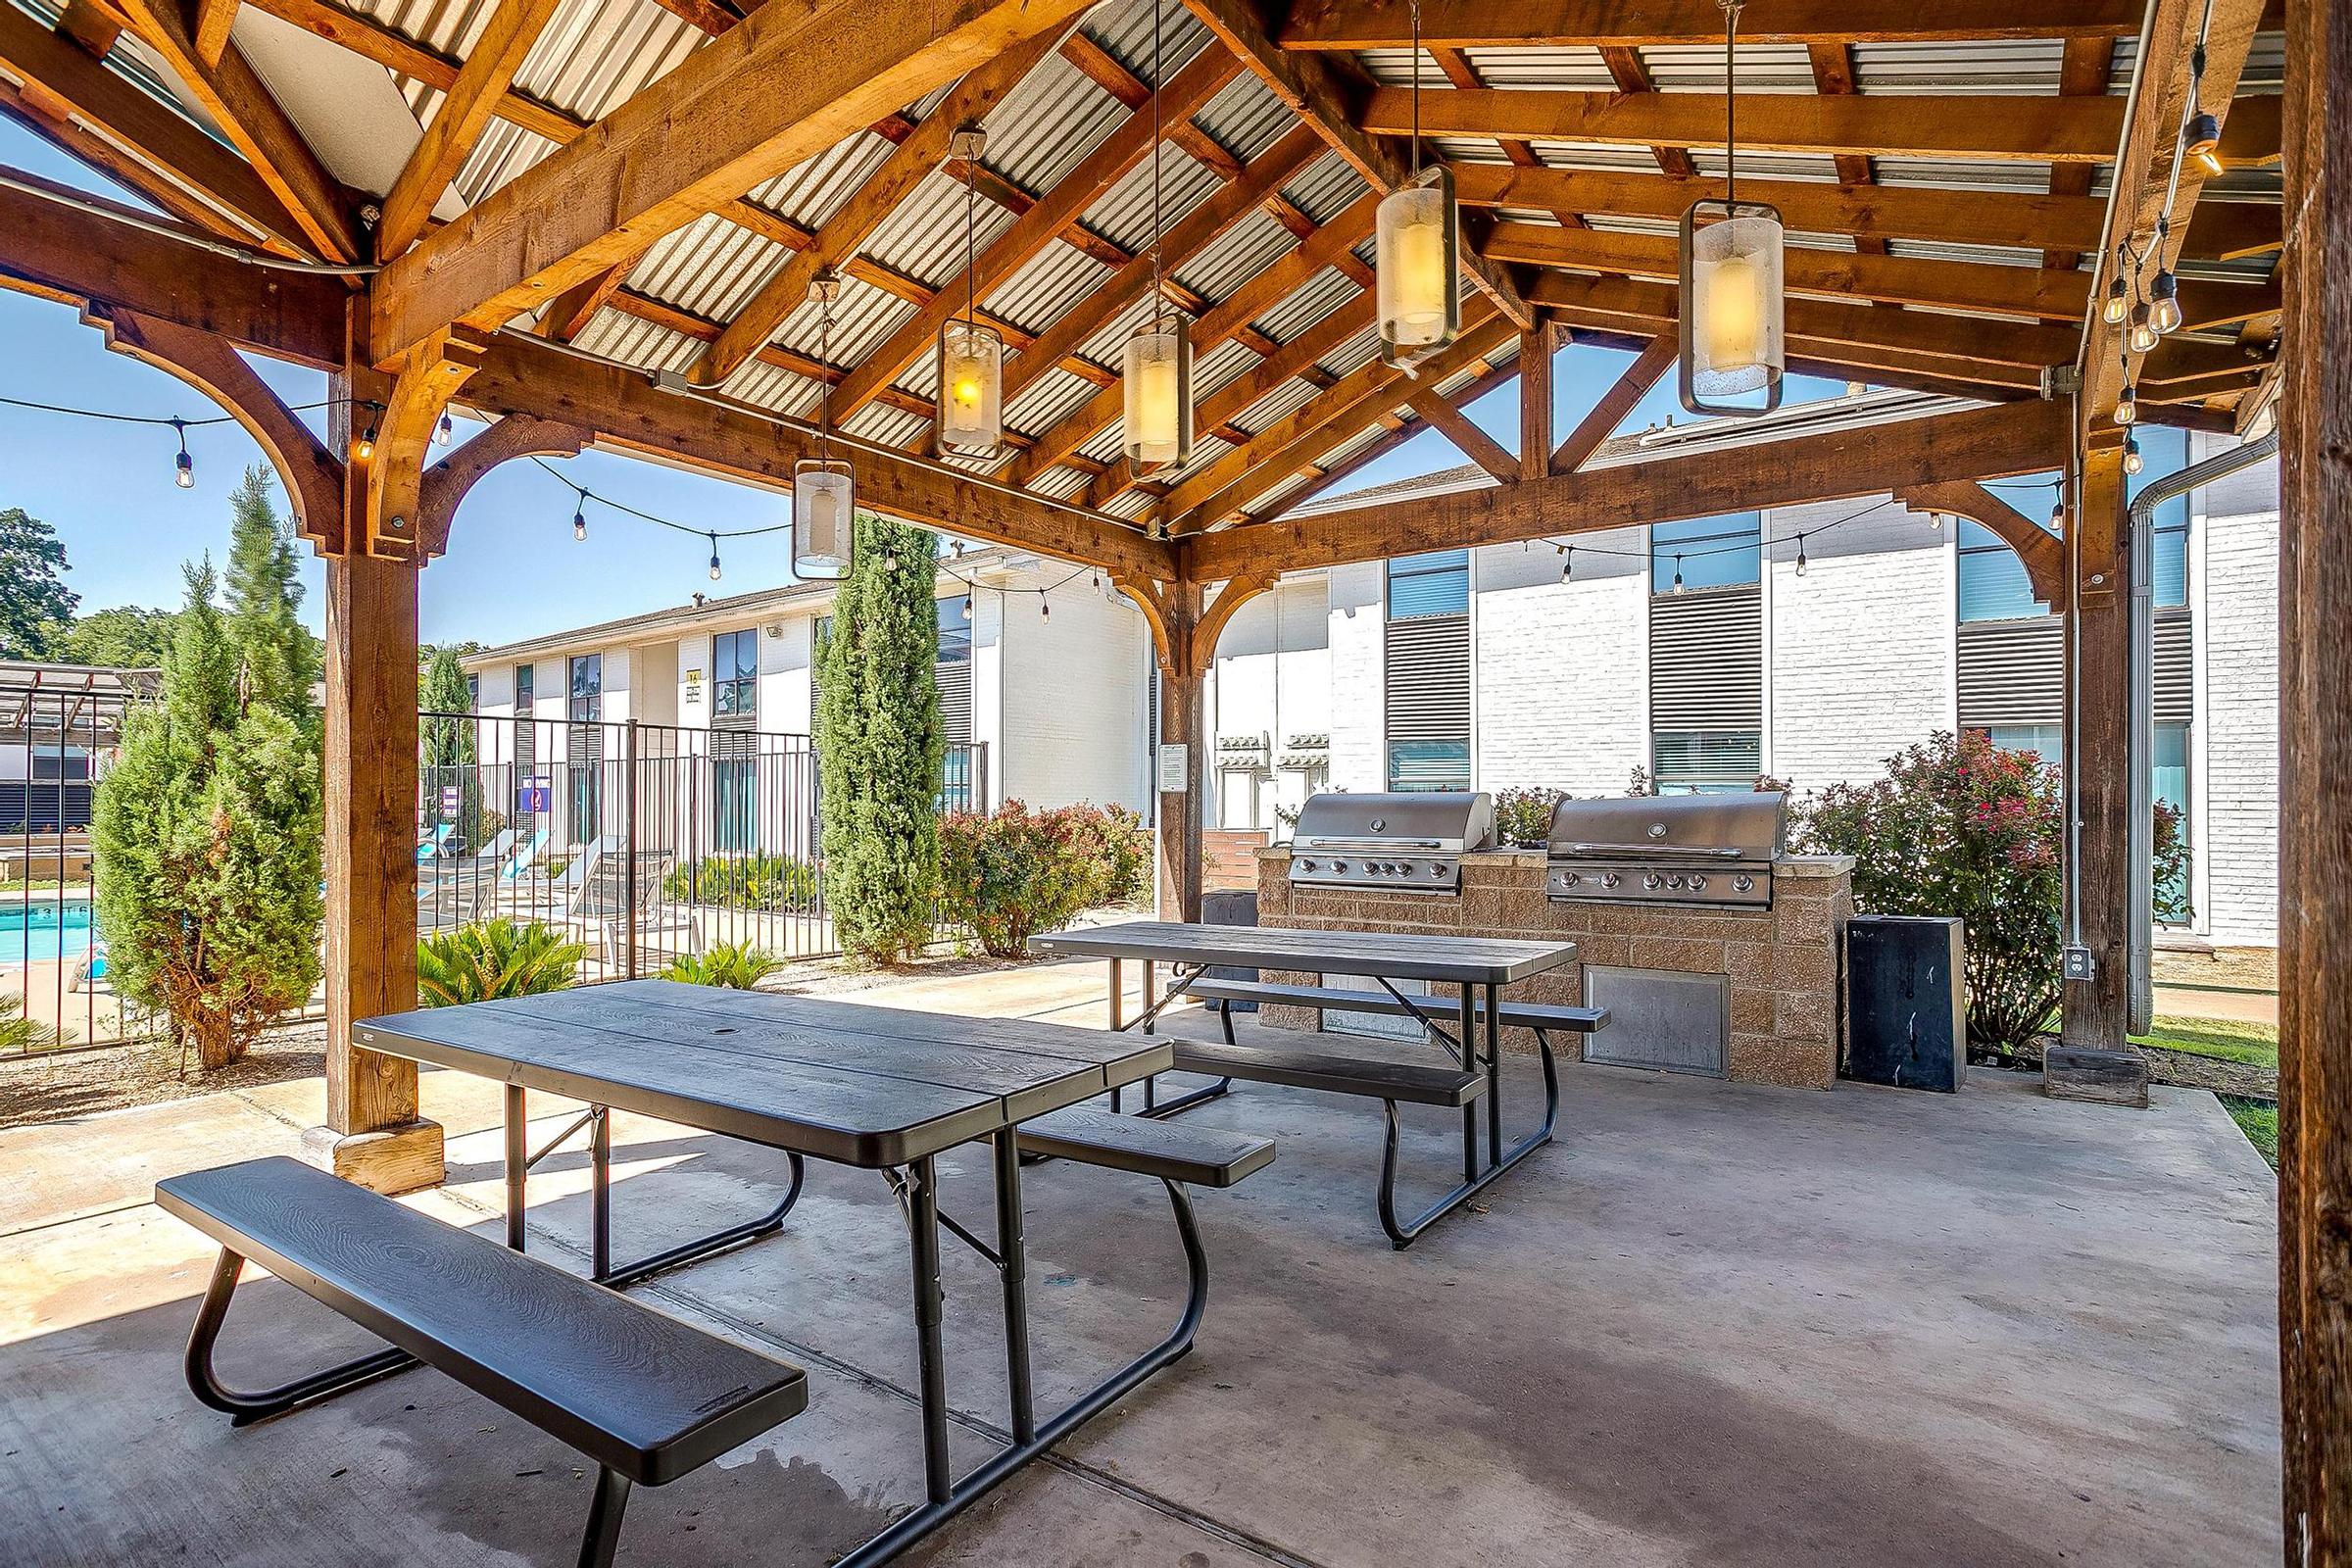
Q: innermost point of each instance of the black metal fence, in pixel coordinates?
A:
(644, 843)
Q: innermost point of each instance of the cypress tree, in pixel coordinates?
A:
(446, 752)
(278, 656)
(879, 745)
(207, 831)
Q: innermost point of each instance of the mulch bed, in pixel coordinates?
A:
(53, 1086)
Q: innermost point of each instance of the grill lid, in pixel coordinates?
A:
(1744, 826)
(1449, 821)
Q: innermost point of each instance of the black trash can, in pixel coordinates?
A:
(1906, 1002)
(1230, 906)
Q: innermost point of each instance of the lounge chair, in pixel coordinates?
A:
(604, 902)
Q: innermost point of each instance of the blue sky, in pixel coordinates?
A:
(512, 569)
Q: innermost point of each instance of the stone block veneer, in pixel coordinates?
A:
(1787, 963)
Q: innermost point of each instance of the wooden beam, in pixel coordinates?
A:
(60, 252)
(447, 483)
(1833, 62)
(1310, 88)
(749, 105)
(1404, 429)
(1993, 127)
(213, 18)
(569, 314)
(1977, 287)
(1352, 24)
(1468, 439)
(465, 113)
(1609, 409)
(2038, 549)
(907, 165)
(429, 376)
(1632, 74)
(1194, 231)
(92, 25)
(1536, 350)
(707, 432)
(2083, 71)
(241, 105)
(62, 83)
(1874, 460)
(2020, 220)
(1111, 160)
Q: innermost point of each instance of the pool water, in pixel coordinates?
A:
(43, 932)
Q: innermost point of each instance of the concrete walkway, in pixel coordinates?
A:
(1713, 1324)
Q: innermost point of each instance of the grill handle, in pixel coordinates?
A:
(1367, 844)
(1650, 850)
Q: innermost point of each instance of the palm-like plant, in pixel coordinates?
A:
(735, 965)
(20, 1032)
(494, 959)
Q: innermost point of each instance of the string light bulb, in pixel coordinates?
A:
(2164, 302)
(365, 446)
(967, 604)
(444, 432)
(2119, 301)
(1800, 554)
(1935, 522)
(2127, 407)
(2143, 328)
(2132, 461)
(1567, 563)
(2201, 141)
(184, 466)
(1677, 573)
(715, 558)
(579, 520)
(2058, 513)
(1044, 608)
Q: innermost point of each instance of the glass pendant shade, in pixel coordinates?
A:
(1732, 326)
(1156, 376)
(822, 506)
(971, 389)
(1415, 260)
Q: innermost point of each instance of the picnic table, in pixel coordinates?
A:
(1476, 968)
(876, 1088)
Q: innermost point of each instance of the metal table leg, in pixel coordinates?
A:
(519, 1165)
(930, 1308)
(1012, 1265)
(1468, 1022)
(1493, 998)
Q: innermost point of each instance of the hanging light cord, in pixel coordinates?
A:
(1159, 80)
(1416, 89)
(824, 353)
(971, 251)
(1731, 103)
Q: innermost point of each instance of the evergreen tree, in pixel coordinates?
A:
(208, 834)
(34, 602)
(124, 637)
(279, 654)
(446, 750)
(879, 745)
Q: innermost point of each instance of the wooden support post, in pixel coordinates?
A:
(2315, 810)
(2092, 1061)
(1182, 668)
(1535, 401)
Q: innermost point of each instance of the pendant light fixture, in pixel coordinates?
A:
(1416, 253)
(1731, 328)
(971, 421)
(1156, 364)
(823, 503)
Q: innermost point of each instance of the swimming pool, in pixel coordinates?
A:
(44, 931)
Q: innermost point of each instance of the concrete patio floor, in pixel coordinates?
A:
(1711, 1324)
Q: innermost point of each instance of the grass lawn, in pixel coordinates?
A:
(2256, 1044)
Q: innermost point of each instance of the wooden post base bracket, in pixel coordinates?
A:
(389, 1160)
(2110, 1077)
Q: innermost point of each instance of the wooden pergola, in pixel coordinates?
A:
(605, 232)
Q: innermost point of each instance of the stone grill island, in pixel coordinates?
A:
(1783, 967)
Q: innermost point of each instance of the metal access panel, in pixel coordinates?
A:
(1660, 1018)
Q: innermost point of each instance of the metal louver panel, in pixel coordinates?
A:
(955, 700)
(1428, 662)
(2012, 673)
(732, 740)
(1706, 660)
(2175, 674)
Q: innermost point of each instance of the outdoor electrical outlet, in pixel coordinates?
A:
(2079, 965)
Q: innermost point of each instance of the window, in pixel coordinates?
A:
(2045, 741)
(587, 709)
(955, 632)
(1705, 762)
(2167, 778)
(2163, 453)
(1429, 764)
(1435, 584)
(527, 733)
(587, 689)
(473, 694)
(1992, 580)
(735, 673)
(59, 765)
(1707, 552)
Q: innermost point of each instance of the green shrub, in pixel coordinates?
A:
(1014, 872)
(737, 966)
(494, 959)
(1961, 828)
(1523, 817)
(768, 882)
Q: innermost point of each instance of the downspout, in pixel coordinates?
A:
(2142, 753)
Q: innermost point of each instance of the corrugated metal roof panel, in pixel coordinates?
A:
(1321, 294)
(1760, 68)
(624, 338)
(598, 54)
(775, 387)
(1059, 482)
(1122, 214)
(1053, 118)
(885, 425)
(1212, 369)
(1326, 187)
(862, 319)
(1284, 400)
(711, 266)
(1108, 343)
(1049, 400)
(1955, 173)
(1244, 118)
(816, 188)
(1355, 354)
(1979, 65)
(923, 238)
(1575, 70)
(1041, 289)
(1124, 27)
(1247, 246)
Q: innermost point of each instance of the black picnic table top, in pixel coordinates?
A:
(1395, 956)
(834, 1080)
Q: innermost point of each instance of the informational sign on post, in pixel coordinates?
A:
(451, 796)
(1175, 768)
(531, 797)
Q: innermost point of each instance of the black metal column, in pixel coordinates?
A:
(518, 1164)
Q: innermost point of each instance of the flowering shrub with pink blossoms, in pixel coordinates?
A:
(1961, 828)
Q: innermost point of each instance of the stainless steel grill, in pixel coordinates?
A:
(1667, 849)
(1409, 842)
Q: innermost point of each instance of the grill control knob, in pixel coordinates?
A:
(1608, 879)
(1674, 881)
(1306, 865)
(1435, 869)
(1652, 881)
(1569, 879)
(1698, 882)
(1339, 865)
(1744, 883)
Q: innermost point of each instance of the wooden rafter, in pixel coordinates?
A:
(1402, 428)
(1459, 70)
(778, 89)
(1833, 62)
(1631, 75)
(838, 239)
(1878, 458)
(465, 113)
(1119, 153)
(1618, 399)
(1456, 426)
(2082, 73)
(1538, 357)
(2007, 126)
(1352, 24)
(233, 94)
(1310, 88)
(212, 20)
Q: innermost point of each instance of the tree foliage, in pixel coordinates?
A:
(1962, 827)
(446, 746)
(879, 745)
(36, 603)
(1014, 872)
(207, 831)
(279, 655)
(123, 637)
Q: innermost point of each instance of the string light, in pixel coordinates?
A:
(2127, 407)
(1935, 522)
(2143, 328)
(2164, 302)
(967, 604)
(2058, 513)
(1677, 573)
(1800, 554)
(184, 468)
(2118, 294)
(579, 519)
(1044, 608)
(1567, 563)
(2132, 461)
(363, 448)
(715, 558)
(444, 432)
